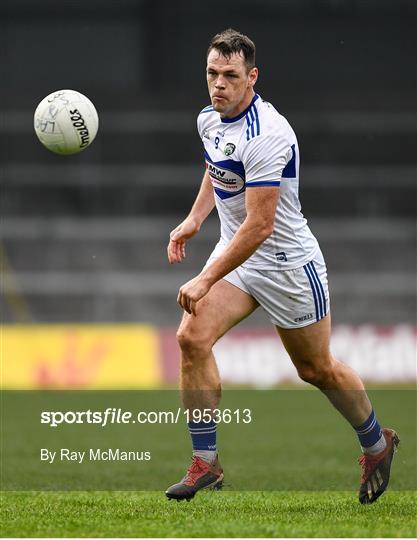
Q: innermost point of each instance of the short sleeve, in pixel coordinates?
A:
(264, 158)
(202, 119)
(199, 128)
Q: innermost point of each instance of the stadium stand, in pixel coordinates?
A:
(84, 238)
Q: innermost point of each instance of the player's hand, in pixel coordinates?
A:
(191, 292)
(178, 237)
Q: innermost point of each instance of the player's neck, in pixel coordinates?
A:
(244, 104)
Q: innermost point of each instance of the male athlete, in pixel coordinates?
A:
(266, 256)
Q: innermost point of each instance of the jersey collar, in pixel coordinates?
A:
(242, 114)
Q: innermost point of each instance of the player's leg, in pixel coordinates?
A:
(309, 350)
(221, 309)
(297, 303)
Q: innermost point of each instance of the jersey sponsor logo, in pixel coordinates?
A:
(215, 171)
(225, 179)
(229, 149)
(206, 134)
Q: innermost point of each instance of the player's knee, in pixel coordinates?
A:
(315, 374)
(193, 344)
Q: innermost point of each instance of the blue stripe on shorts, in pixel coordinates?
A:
(317, 289)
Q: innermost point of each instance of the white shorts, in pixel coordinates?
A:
(291, 298)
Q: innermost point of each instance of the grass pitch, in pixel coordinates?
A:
(210, 514)
(296, 442)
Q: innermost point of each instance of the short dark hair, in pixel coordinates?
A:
(230, 42)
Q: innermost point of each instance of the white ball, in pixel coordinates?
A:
(66, 122)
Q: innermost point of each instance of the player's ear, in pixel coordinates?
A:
(253, 76)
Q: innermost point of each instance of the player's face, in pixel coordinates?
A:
(230, 85)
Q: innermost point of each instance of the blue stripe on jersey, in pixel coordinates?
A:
(313, 288)
(234, 166)
(258, 127)
(252, 127)
(252, 120)
(289, 169)
(263, 183)
(248, 123)
(225, 194)
(209, 108)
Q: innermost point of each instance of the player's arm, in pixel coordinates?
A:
(203, 205)
(261, 203)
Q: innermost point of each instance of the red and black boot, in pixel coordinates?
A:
(200, 475)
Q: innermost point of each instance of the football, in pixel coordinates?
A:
(66, 122)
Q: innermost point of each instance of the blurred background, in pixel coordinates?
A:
(83, 238)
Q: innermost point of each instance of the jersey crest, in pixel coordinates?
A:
(229, 149)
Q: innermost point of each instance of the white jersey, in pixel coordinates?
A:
(257, 148)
